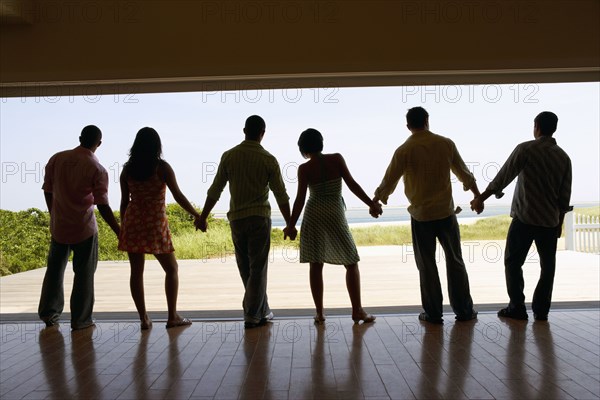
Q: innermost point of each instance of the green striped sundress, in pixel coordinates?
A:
(324, 234)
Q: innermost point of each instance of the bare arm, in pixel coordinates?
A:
(201, 223)
(179, 197)
(107, 214)
(352, 184)
(124, 193)
(300, 196)
(288, 231)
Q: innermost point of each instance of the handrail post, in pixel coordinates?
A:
(569, 231)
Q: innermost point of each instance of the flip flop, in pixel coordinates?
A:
(181, 322)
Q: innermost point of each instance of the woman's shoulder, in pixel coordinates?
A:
(163, 169)
(334, 158)
(305, 166)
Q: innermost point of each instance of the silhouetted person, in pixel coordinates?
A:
(325, 235)
(74, 182)
(540, 201)
(145, 230)
(251, 171)
(425, 160)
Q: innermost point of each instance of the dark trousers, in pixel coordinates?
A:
(252, 241)
(518, 242)
(424, 235)
(85, 261)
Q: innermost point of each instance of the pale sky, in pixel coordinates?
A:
(365, 125)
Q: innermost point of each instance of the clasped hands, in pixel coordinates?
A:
(200, 223)
(477, 205)
(375, 209)
(290, 232)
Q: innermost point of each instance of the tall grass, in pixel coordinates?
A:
(492, 228)
(216, 242)
(24, 236)
(381, 235)
(591, 211)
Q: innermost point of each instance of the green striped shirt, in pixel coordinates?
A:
(251, 171)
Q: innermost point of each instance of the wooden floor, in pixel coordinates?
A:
(397, 357)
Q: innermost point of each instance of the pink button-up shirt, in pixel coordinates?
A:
(77, 181)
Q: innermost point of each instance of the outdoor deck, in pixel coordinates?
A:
(397, 357)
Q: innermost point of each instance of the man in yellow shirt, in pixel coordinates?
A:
(251, 171)
(425, 161)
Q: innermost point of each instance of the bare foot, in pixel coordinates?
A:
(146, 323)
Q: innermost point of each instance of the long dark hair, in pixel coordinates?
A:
(145, 155)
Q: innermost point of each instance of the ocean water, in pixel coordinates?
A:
(400, 214)
(397, 214)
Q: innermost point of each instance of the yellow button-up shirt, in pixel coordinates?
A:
(425, 161)
(251, 171)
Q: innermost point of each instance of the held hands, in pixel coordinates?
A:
(477, 205)
(375, 209)
(200, 223)
(290, 232)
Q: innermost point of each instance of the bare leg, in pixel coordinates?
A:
(316, 288)
(136, 285)
(169, 265)
(353, 286)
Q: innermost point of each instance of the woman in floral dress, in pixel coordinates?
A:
(144, 228)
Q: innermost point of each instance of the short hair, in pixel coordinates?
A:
(254, 127)
(417, 117)
(310, 141)
(546, 121)
(90, 136)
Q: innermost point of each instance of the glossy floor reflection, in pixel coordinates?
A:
(397, 357)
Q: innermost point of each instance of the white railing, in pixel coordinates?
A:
(582, 233)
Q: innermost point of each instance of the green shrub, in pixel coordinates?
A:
(108, 241)
(179, 219)
(25, 236)
(24, 240)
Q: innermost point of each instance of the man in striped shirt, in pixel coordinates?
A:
(539, 204)
(251, 171)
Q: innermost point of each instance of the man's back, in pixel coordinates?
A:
(544, 181)
(77, 181)
(251, 171)
(425, 160)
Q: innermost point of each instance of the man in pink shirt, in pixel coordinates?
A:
(74, 181)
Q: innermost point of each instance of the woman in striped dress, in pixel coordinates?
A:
(325, 235)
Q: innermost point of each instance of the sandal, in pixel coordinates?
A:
(365, 317)
(181, 322)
